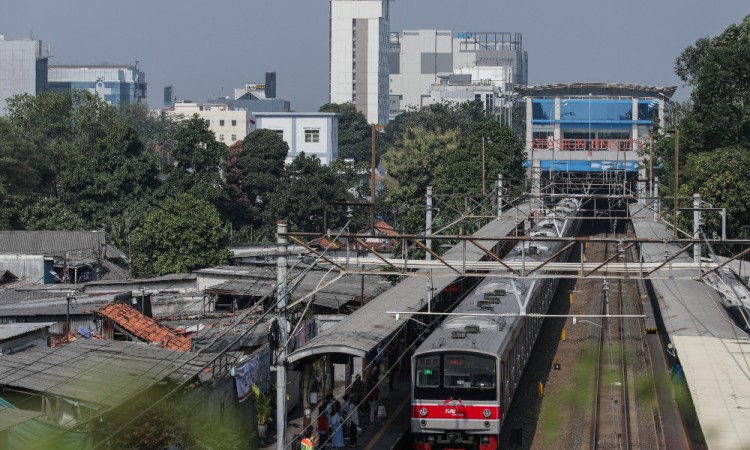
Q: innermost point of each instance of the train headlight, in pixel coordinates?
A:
(487, 413)
(423, 411)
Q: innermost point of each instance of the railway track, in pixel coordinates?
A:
(611, 424)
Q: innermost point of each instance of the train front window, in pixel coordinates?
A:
(465, 371)
(428, 371)
(458, 375)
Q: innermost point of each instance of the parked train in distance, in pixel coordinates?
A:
(464, 375)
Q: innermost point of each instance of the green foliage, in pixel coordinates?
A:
(157, 130)
(89, 159)
(198, 158)
(302, 192)
(412, 163)
(355, 134)
(718, 69)
(183, 235)
(107, 181)
(439, 117)
(460, 171)
(262, 405)
(24, 173)
(47, 213)
(167, 426)
(252, 172)
(720, 176)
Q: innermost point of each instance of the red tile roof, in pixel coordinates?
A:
(145, 328)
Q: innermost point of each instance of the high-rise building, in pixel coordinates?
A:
(23, 69)
(115, 84)
(358, 56)
(419, 59)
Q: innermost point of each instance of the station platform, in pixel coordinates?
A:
(373, 436)
(713, 352)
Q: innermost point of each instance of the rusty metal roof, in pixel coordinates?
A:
(143, 327)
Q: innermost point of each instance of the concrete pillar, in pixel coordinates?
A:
(529, 125)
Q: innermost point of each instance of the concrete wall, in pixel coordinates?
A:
(371, 37)
(13, 345)
(293, 128)
(34, 268)
(229, 132)
(18, 69)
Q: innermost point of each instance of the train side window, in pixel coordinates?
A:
(428, 371)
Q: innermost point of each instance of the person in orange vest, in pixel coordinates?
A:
(308, 441)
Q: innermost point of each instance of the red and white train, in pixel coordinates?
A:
(465, 373)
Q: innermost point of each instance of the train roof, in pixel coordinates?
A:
(484, 321)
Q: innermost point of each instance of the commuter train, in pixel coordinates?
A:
(465, 373)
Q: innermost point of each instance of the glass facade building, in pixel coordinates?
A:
(115, 84)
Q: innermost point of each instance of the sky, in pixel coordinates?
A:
(205, 49)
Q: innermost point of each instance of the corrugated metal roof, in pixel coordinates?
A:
(100, 372)
(78, 244)
(689, 307)
(261, 281)
(12, 417)
(364, 329)
(11, 330)
(713, 352)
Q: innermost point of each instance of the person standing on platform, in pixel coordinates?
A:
(373, 399)
(323, 428)
(337, 427)
(353, 420)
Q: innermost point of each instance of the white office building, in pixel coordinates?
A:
(228, 125)
(358, 56)
(23, 69)
(419, 59)
(314, 133)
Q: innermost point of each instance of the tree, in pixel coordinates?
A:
(438, 117)
(111, 178)
(718, 69)
(253, 170)
(92, 162)
(198, 158)
(157, 130)
(24, 174)
(460, 171)
(355, 138)
(411, 168)
(47, 213)
(184, 234)
(720, 176)
(302, 193)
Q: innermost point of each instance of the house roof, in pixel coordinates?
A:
(144, 328)
(14, 330)
(101, 372)
(78, 245)
(6, 275)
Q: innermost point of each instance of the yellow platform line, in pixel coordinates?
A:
(387, 423)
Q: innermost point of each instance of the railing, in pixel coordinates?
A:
(588, 144)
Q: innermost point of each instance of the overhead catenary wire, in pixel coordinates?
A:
(296, 282)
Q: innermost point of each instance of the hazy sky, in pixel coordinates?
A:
(207, 48)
